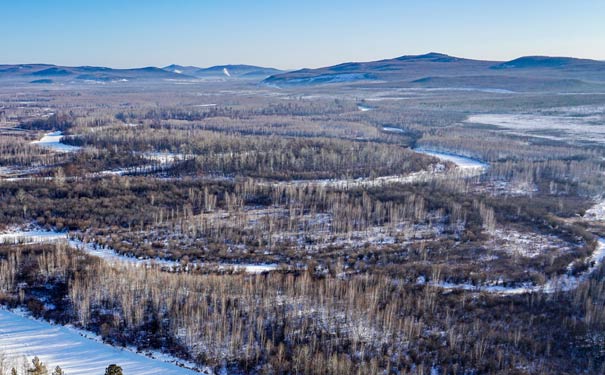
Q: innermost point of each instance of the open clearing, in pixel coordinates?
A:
(567, 127)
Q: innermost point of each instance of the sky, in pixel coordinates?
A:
(292, 34)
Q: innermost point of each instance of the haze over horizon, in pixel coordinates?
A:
(123, 34)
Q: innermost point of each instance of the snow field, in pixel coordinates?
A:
(72, 350)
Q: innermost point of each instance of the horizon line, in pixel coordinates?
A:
(299, 68)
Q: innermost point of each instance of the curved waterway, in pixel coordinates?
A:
(52, 141)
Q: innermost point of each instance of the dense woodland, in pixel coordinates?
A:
(272, 323)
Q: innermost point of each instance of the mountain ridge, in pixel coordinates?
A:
(411, 68)
(416, 70)
(49, 73)
(227, 71)
(58, 73)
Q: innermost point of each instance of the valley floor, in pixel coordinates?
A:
(293, 231)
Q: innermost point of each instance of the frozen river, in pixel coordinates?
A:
(462, 162)
(110, 255)
(52, 141)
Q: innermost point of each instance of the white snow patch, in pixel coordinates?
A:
(362, 181)
(388, 98)
(596, 212)
(165, 157)
(389, 129)
(486, 90)
(497, 289)
(31, 236)
(569, 126)
(528, 244)
(65, 346)
(462, 162)
(249, 268)
(328, 78)
(164, 161)
(517, 187)
(53, 141)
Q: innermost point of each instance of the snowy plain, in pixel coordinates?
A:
(567, 126)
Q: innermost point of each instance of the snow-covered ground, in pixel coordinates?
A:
(477, 89)
(31, 236)
(249, 268)
(68, 348)
(141, 169)
(528, 244)
(389, 129)
(596, 212)
(388, 98)
(326, 78)
(565, 282)
(365, 182)
(558, 126)
(515, 187)
(53, 142)
(162, 161)
(461, 162)
(364, 108)
(10, 172)
(165, 157)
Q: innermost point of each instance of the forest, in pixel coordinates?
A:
(337, 231)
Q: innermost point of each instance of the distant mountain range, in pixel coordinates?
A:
(43, 73)
(440, 70)
(547, 62)
(225, 71)
(49, 74)
(428, 71)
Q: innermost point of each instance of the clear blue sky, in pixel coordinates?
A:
(292, 34)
